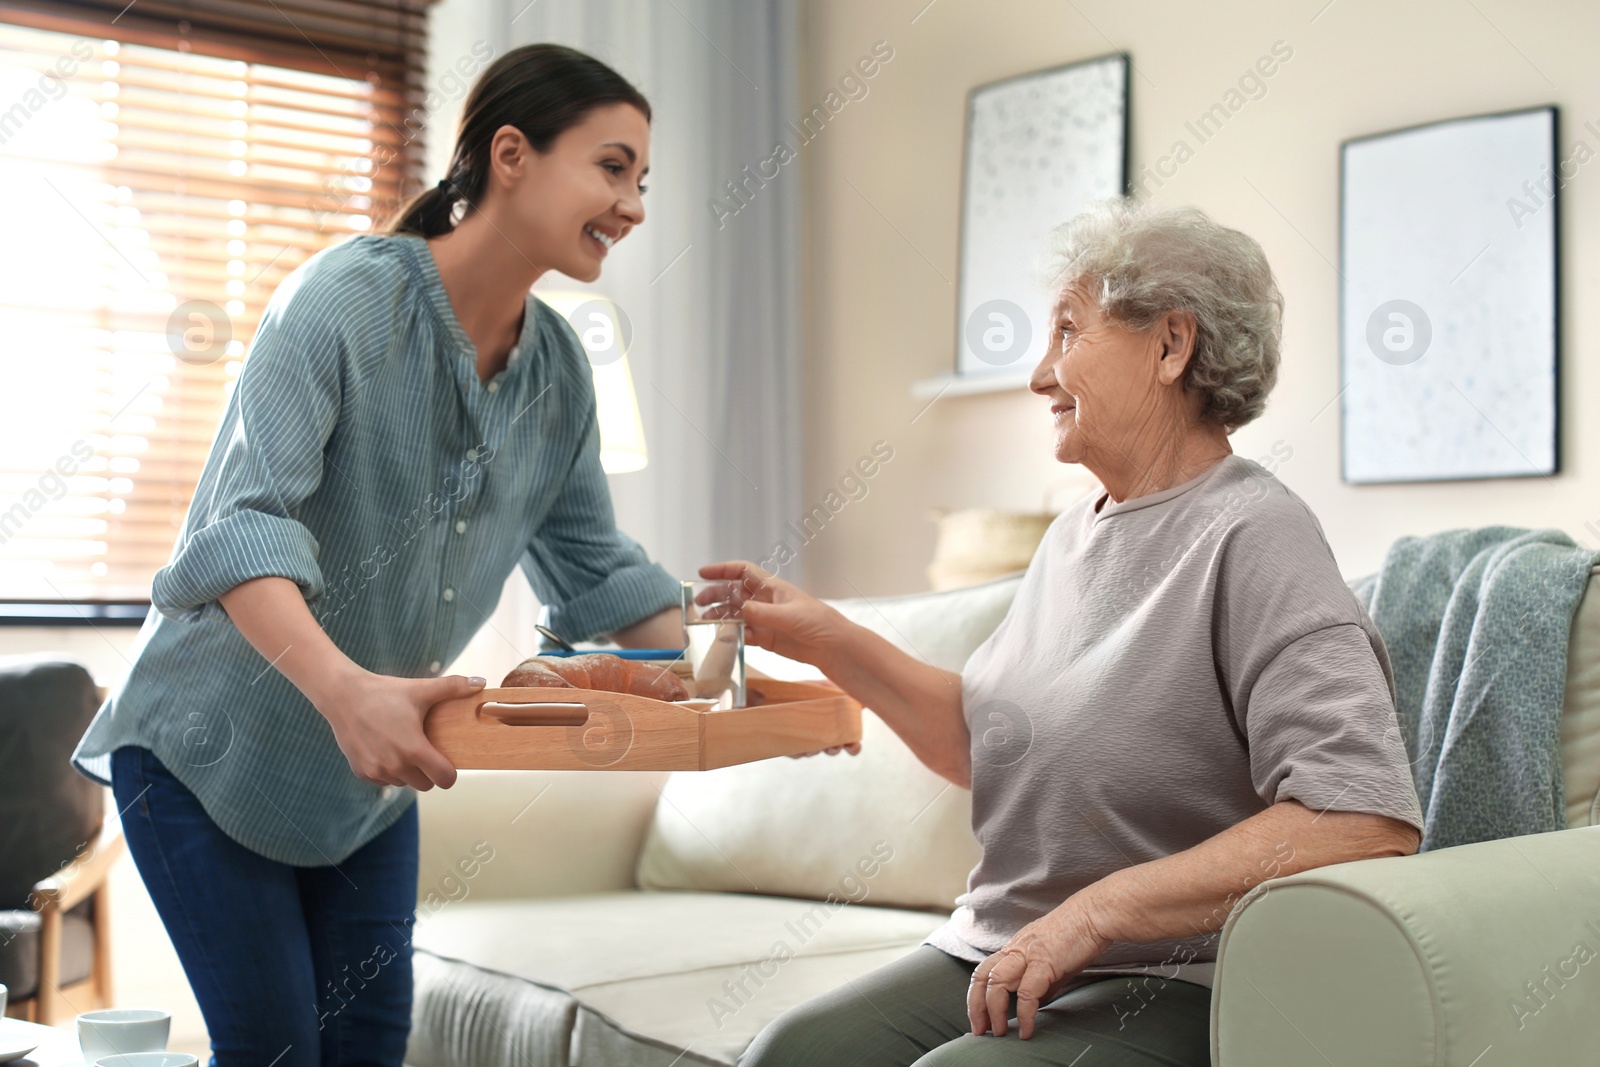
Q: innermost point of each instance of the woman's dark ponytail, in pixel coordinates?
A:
(427, 214)
(542, 90)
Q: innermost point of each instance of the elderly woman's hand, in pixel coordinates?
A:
(919, 702)
(1041, 958)
(779, 616)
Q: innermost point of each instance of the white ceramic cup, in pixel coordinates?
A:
(148, 1059)
(122, 1030)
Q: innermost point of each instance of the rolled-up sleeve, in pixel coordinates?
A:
(1322, 729)
(266, 460)
(592, 578)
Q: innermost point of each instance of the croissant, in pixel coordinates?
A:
(598, 671)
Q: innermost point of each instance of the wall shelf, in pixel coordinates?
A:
(966, 385)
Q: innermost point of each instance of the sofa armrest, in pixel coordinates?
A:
(499, 835)
(1427, 959)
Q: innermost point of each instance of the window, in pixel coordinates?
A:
(164, 169)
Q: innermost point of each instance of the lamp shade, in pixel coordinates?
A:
(604, 331)
(622, 447)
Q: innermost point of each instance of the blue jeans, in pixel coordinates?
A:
(292, 966)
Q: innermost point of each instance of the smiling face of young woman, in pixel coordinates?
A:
(565, 209)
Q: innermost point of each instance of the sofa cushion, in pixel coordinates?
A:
(650, 973)
(21, 932)
(19, 952)
(810, 827)
(493, 833)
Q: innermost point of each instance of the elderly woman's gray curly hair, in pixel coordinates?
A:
(1141, 264)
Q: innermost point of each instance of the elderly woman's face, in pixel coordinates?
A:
(1103, 380)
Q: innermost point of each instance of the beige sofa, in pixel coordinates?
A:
(627, 919)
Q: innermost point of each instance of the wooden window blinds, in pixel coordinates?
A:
(165, 166)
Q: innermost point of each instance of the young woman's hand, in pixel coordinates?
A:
(778, 616)
(377, 721)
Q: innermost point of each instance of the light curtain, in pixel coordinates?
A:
(710, 282)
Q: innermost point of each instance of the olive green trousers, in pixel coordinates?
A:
(914, 1011)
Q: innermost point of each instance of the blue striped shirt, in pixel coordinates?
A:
(361, 456)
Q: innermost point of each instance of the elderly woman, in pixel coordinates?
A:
(1184, 700)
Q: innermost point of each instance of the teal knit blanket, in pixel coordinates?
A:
(1477, 624)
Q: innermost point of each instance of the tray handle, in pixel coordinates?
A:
(535, 713)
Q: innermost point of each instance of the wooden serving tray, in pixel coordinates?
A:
(589, 730)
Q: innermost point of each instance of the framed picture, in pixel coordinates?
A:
(1448, 311)
(1039, 147)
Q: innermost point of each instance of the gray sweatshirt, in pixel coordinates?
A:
(1172, 665)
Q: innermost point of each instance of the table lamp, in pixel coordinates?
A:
(602, 329)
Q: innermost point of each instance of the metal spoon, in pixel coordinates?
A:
(550, 635)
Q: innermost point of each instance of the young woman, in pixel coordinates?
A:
(411, 425)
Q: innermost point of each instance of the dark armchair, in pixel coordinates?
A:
(56, 845)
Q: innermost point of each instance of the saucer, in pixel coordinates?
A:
(15, 1046)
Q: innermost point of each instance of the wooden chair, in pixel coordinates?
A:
(84, 879)
(55, 949)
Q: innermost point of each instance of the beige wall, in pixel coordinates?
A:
(882, 254)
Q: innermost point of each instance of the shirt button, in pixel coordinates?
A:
(472, 455)
(492, 387)
(435, 667)
(449, 594)
(461, 526)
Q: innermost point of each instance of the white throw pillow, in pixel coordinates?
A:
(877, 828)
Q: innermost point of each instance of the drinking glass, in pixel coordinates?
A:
(713, 642)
